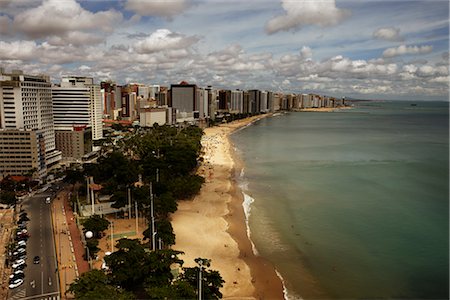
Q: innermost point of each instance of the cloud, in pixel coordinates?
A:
(441, 79)
(57, 18)
(162, 8)
(76, 38)
(164, 39)
(5, 25)
(306, 52)
(403, 50)
(18, 50)
(388, 34)
(306, 12)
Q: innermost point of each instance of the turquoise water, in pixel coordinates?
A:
(352, 204)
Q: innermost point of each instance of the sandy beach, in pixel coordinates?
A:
(212, 225)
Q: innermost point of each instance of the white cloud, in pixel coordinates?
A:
(403, 50)
(76, 38)
(388, 33)
(306, 12)
(55, 17)
(164, 39)
(441, 79)
(17, 50)
(306, 52)
(163, 8)
(84, 68)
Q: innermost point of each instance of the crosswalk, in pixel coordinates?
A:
(21, 294)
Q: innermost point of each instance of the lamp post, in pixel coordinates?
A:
(89, 235)
(201, 262)
(153, 219)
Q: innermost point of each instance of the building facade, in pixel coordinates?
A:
(78, 101)
(26, 106)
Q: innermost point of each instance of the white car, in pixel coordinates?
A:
(16, 283)
(47, 200)
(18, 263)
(20, 249)
(22, 243)
(17, 272)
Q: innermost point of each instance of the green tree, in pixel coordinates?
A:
(8, 197)
(211, 279)
(95, 285)
(96, 224)
(92, 245)
(127, 265)
(164, 231)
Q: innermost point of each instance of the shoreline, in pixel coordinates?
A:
(213, 224)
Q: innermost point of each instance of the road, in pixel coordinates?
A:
(41, 280)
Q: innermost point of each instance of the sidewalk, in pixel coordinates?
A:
(7, 226)
(67, 243)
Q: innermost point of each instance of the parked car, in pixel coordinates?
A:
(17, 263)
(20, 267)
(20, 251)
(22, 236)
(16, 283)
(21, 243)
(17, 272)
(19, 256)
(24, 219)
(17, 276)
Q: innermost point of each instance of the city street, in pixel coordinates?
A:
(41, 280)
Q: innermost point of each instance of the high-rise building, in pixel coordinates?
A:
(78, 101)
(183, 97)
(254, 101)
(237, 102)
(224, 100)
(26, 107)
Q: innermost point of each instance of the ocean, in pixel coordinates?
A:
(354, 203)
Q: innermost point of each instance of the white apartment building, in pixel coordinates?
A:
(264, 102)
(26, 104)
(237, 102)
(78, 101)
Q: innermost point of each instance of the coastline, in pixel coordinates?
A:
(213, 224)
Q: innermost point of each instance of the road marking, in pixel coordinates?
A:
(42, 282)
(42, 295)
(49, 281)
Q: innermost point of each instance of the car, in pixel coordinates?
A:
(47, 200)
(22, 235)
(23, 219)
(16, 283)
(21, 243)
(16, 276)
(20, 256)
(22, 214)
(20, 267)
(20, 246)
(36, 260)
(17, 263)
(20, 251)
(16, 273)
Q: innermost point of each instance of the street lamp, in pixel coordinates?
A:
(89, 235)
(201, 262)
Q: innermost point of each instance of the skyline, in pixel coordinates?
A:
(371, 50)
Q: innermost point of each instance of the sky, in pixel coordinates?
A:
(366, 49)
